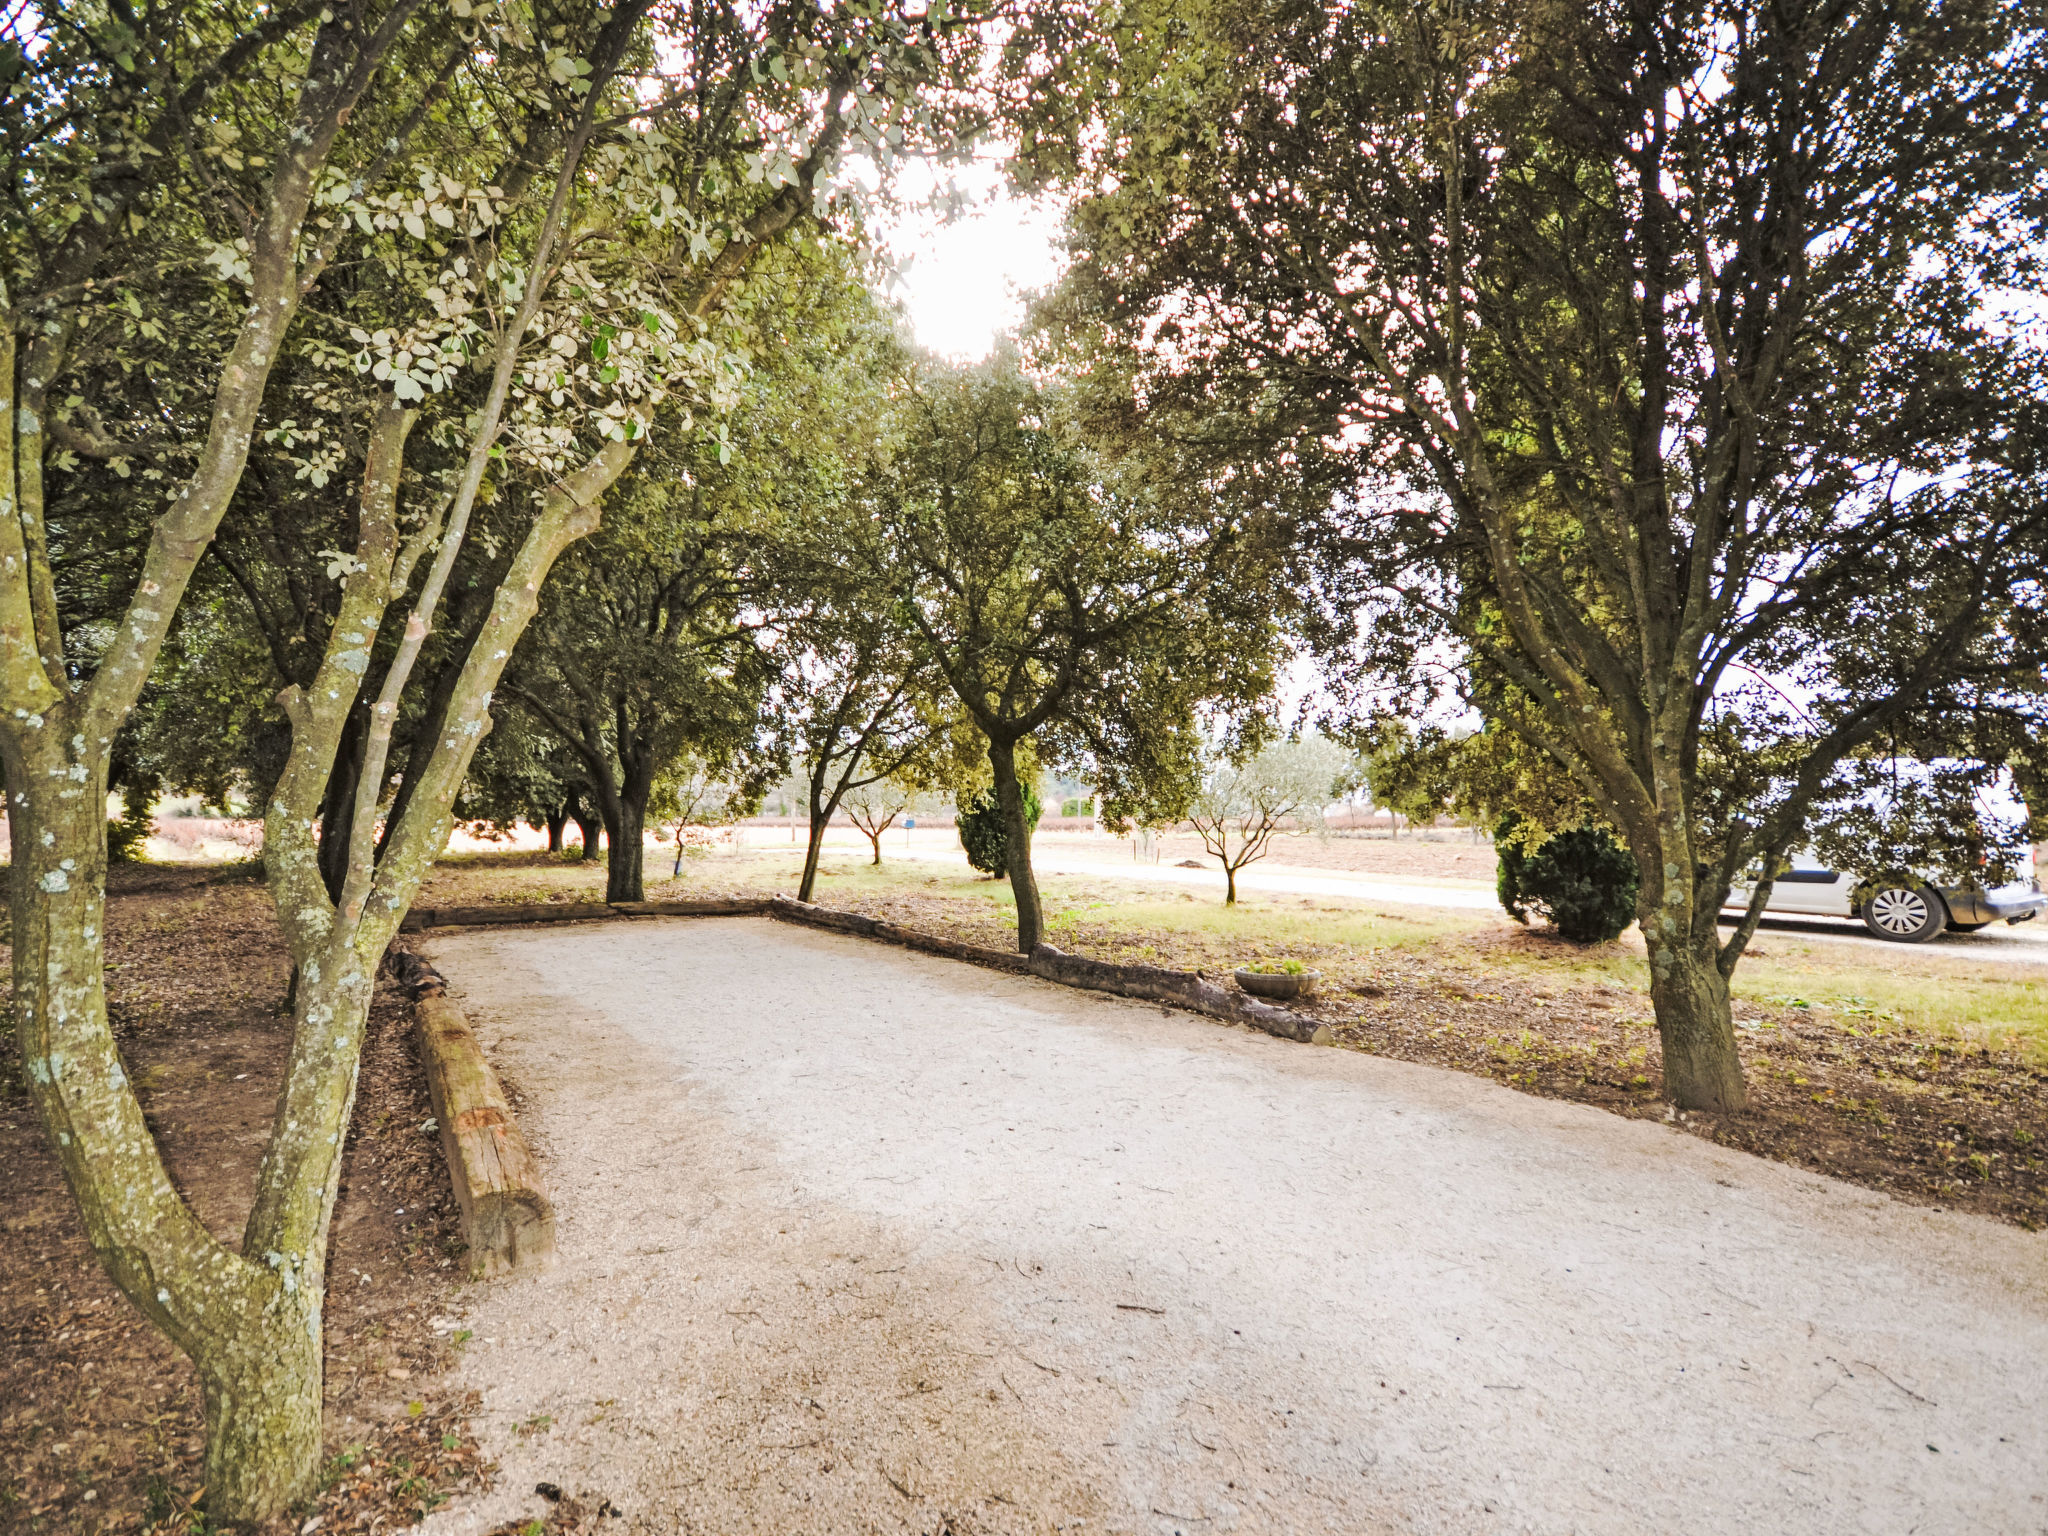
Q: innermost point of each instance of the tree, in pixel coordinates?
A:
(222, 183)
(860, 710)
(1400, 779)
(874, 805)
(1074, 603)
(1653, 354)
(724, 591)
(859, 698)
(103, 115)
(1285, 784)
(639, 654)
(1480, 776)
(695, 794)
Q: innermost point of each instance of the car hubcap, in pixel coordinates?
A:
(1898, 911)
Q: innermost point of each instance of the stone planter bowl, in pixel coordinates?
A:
(1278, 985)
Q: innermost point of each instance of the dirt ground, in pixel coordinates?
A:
(100, 1418)
(854, 1239)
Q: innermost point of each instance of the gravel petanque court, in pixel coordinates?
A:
(854, 1239)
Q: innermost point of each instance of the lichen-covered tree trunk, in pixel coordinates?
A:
(251, 1325)
(249, 1321)
(263, 1391)
(1002, 761)
(1702, 1069)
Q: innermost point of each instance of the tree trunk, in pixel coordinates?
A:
(557, 819)
(625, 872)
(1002, 760)
(338, 805)
(1229, 886)
(263, 1397)
(252, 1330)
(588, 826)
(812, 851)
(876, 839)
(1702, 1069)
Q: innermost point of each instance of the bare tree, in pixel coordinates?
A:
(875, 805)
(1287, 785)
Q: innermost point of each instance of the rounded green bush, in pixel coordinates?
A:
(982, 832)
(1584, 881)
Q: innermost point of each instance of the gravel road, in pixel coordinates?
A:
(859, 1240)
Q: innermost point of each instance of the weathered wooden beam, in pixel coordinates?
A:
(1182, 988)
(507, 1217)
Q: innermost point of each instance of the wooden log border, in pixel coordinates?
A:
(1180, 989)
(1183, 989)
(507, 1218)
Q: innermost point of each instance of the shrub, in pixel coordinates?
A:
(982, 833)
(127, 832)
(1584, 881)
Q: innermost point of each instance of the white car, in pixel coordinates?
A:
(1905, 914)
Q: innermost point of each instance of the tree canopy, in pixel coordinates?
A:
(1070, 596)
(374, 303)
(1652, 361)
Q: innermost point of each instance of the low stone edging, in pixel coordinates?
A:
(422, 918)
(863, 926)
(507, 1218)
(1183, 989)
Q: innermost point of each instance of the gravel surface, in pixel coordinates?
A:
(854, 1239)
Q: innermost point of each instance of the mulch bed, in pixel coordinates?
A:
(1929, 1119)
(100, 1419)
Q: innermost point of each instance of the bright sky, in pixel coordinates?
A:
(962, 278)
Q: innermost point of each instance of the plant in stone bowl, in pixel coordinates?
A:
(1281, 979)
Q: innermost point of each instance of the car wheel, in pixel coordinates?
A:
(1904, 914)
